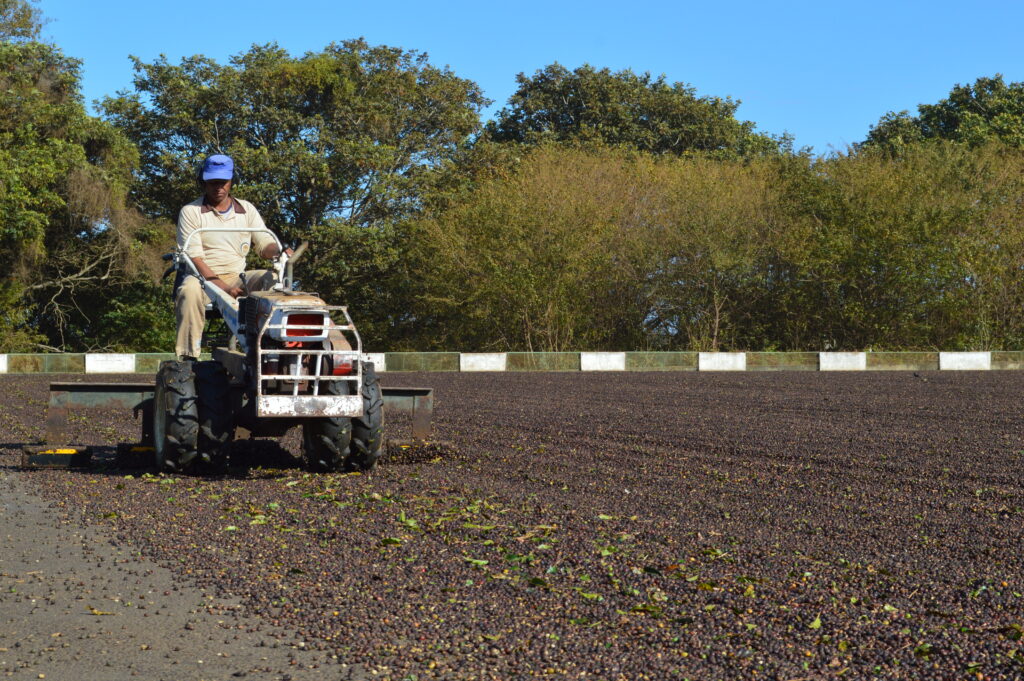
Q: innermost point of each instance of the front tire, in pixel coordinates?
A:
(325, 441)
(368, 429)
(216, 420)
(175, 417)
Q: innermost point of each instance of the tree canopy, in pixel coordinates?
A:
(336, 146)
(623, 108)
(63, 182)
(609, 249)
(20, 20)
(989, 109)
(346, 133)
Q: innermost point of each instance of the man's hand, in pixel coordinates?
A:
(233, 291)
(209, 275)
(271, 252)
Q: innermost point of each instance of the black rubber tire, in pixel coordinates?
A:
(175, 416)
(216, 420)
(325, 441)
(367, 430)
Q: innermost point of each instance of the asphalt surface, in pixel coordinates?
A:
(75, 605)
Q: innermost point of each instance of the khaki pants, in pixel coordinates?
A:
(190, 305)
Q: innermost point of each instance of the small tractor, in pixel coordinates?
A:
(292, 360)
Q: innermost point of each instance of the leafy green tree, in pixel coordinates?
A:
(525, 261)
(596, 249)
(63, 181)
(569, 248)
(19, 20)
(899, 252)
(712, 236)
(623, 108)
(347, 133)
(136, 316)
(988, 110)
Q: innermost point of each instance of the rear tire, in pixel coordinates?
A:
(367, 430)
(325, 441)
(216, 420)
(175, 416)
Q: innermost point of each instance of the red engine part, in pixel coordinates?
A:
(343, 368)
(304, 320)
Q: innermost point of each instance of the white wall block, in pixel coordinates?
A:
(3, 364)
(722, 361)
(483, 361)
(842, 361)
(109, 363)
(965, 361)
(379, 364)
(602, 361)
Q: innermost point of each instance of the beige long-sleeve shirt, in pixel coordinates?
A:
(223, 252)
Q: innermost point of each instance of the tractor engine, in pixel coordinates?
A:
(291, 339)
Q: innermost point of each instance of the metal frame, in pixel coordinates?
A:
(417, 402)
(276, 404)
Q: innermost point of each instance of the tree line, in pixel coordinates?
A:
(598, 210)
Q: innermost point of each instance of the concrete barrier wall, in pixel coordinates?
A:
(842, 361)
(421, 361)
(147, 363)
(379, 359)
(965, 361)
(722, 361)
(902, 361)
(602, 361)
(782, 361)
(96, 363)
(482, 361)
(543, 361)
(662, 361)
(1012, 359)
(46, 364)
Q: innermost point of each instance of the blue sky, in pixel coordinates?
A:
(824, 71)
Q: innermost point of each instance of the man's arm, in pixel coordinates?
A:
(210, 275)
(264, 243)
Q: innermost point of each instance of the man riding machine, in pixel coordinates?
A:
(292, 358)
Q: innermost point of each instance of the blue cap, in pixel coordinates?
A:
(218, 167)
